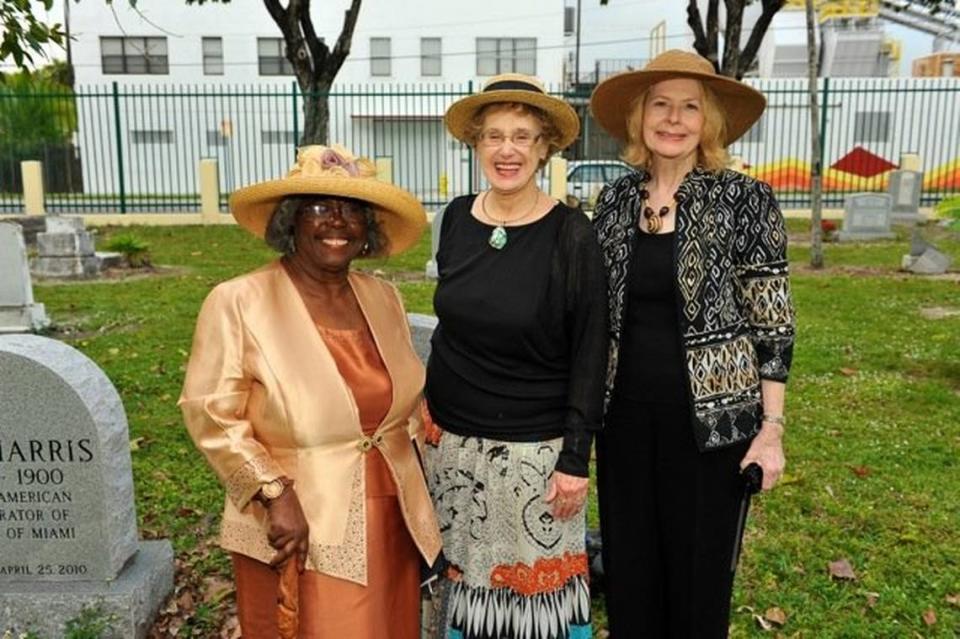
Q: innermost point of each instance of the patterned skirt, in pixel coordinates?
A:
(519, 573)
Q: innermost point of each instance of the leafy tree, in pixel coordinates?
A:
(23, 34)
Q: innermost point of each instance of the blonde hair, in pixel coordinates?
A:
(711, 152)
(549, 133)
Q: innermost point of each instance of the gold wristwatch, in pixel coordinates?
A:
(273, 489)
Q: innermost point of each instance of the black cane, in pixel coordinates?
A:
(752, 482)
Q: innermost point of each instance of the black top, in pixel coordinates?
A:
(520, 351)
(651, 360)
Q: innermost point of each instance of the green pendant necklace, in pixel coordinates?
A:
(498, 236)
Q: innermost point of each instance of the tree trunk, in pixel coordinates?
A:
(816, 186)
(731, 40)
(316, 116)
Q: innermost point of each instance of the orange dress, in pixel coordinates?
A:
(389, 605)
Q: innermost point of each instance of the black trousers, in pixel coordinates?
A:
(668, 519)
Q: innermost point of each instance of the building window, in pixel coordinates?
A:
(271, 56)
(380, 56)
(216, 138)
(148, 136)
(569, 21)
(278, 137)
(213, 56)
(871, 126)
(506, 55)
(131, 55)
(430, 58)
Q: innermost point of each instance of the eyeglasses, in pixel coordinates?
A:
(323, 210)
(522, 139)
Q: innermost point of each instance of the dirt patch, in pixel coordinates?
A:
(870, 271)
(939, 312)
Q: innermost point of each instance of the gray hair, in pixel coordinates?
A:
(281, 230)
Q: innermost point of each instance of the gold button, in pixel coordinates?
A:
(365, 444)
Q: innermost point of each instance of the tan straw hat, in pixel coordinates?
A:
(333, 170)
(612, 99)
(513, 87)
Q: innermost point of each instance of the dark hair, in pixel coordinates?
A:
(281, 230)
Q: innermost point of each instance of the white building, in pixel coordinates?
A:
(212, 81)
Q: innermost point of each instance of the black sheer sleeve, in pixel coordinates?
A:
(578, 264)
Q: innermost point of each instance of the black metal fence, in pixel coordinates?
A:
(137, 148)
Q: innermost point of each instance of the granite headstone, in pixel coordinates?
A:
(431, 268)
(866, 216)
(905, 188)
(18, 312)
(67, 519)
(421, 330)
(65, 249)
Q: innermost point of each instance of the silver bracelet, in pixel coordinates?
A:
(779, 420)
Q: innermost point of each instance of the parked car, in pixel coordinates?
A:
(585, 178)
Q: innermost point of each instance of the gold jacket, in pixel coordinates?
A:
(263, 398)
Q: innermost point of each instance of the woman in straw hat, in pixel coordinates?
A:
(514, 381)
(701, 336)
(302, 392)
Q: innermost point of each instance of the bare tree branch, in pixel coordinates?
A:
(749, 53)
(342, 49)
(318, 49)
(731, 39)
(713, 33)
(695, 22)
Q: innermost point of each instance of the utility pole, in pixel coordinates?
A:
(576, 64)
(816, 186)
(66, 42)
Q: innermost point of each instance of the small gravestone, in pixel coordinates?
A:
(905, 188)
(18, 312)
(65, 250)
(866, 216)
(421, 331)
(924, 258)
(431, 269)
(67, 519)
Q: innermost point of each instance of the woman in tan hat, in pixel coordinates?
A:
(514, 381)
(302, 391)
(701, 337)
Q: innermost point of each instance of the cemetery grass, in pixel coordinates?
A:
(873, 439)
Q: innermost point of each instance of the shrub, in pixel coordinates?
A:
(135, 251)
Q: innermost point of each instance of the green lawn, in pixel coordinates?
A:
(873, 436)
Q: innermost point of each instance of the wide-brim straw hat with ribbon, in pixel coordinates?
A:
(513, 87)
(334, 171)
(612, 99)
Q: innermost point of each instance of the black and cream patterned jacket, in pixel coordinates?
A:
(733, 292)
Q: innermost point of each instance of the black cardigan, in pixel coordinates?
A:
(733, 292)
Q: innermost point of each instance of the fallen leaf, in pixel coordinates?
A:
(113, 351)
(929, 616)
(196, 253)
(860, 471)
(872, 598)
(185, 601)
(848, 372)
(185, 511)
(829, 490)
(841, 569)
(137, 443)
(953, 600)
(776, 616)
(763, 623)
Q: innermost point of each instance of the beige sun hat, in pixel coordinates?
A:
(333, 170)
(612, 99)
(513, 87)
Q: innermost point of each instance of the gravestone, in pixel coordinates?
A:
(421, 330)
(18, 312)
(866, 216)
(67, 519)
(65, 250)
(905, 188)
(924, 258)
(431, 268)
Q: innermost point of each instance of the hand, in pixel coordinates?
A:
(288, 531)
(767, 451)
(567, 493)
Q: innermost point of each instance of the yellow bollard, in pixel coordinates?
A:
(31, 172)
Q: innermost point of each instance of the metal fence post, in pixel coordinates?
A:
(470, 149)
(119, 136)
(296, 118)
